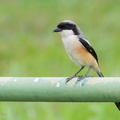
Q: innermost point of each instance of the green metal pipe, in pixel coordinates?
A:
(54, 89)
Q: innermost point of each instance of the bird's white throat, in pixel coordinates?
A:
(66, 33)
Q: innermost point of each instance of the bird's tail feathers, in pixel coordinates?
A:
(118, 105)
(100, 74)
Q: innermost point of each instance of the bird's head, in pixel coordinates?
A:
(67, 28)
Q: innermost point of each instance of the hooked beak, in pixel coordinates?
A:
(57, 30)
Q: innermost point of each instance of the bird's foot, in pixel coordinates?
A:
(81, 78)
(70, 78)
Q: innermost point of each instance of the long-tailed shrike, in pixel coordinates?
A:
(79, 49)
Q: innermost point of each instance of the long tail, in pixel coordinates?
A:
(116, 103)
(100, 74)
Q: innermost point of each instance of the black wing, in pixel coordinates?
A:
(89, 48)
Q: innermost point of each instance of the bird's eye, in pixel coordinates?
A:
(66, 26)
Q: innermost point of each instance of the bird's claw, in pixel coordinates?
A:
(70, 78)
(81, 78)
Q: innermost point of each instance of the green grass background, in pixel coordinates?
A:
(29, 48)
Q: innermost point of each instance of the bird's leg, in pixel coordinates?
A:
(75, 75)
(86, 75)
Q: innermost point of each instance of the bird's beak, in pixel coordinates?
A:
(57, 30)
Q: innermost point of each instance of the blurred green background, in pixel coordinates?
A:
(29, 48)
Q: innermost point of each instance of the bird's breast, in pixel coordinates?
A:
(72, 46)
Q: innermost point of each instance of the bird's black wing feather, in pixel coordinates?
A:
(89, 48)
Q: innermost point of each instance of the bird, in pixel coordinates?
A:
(79, 50)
